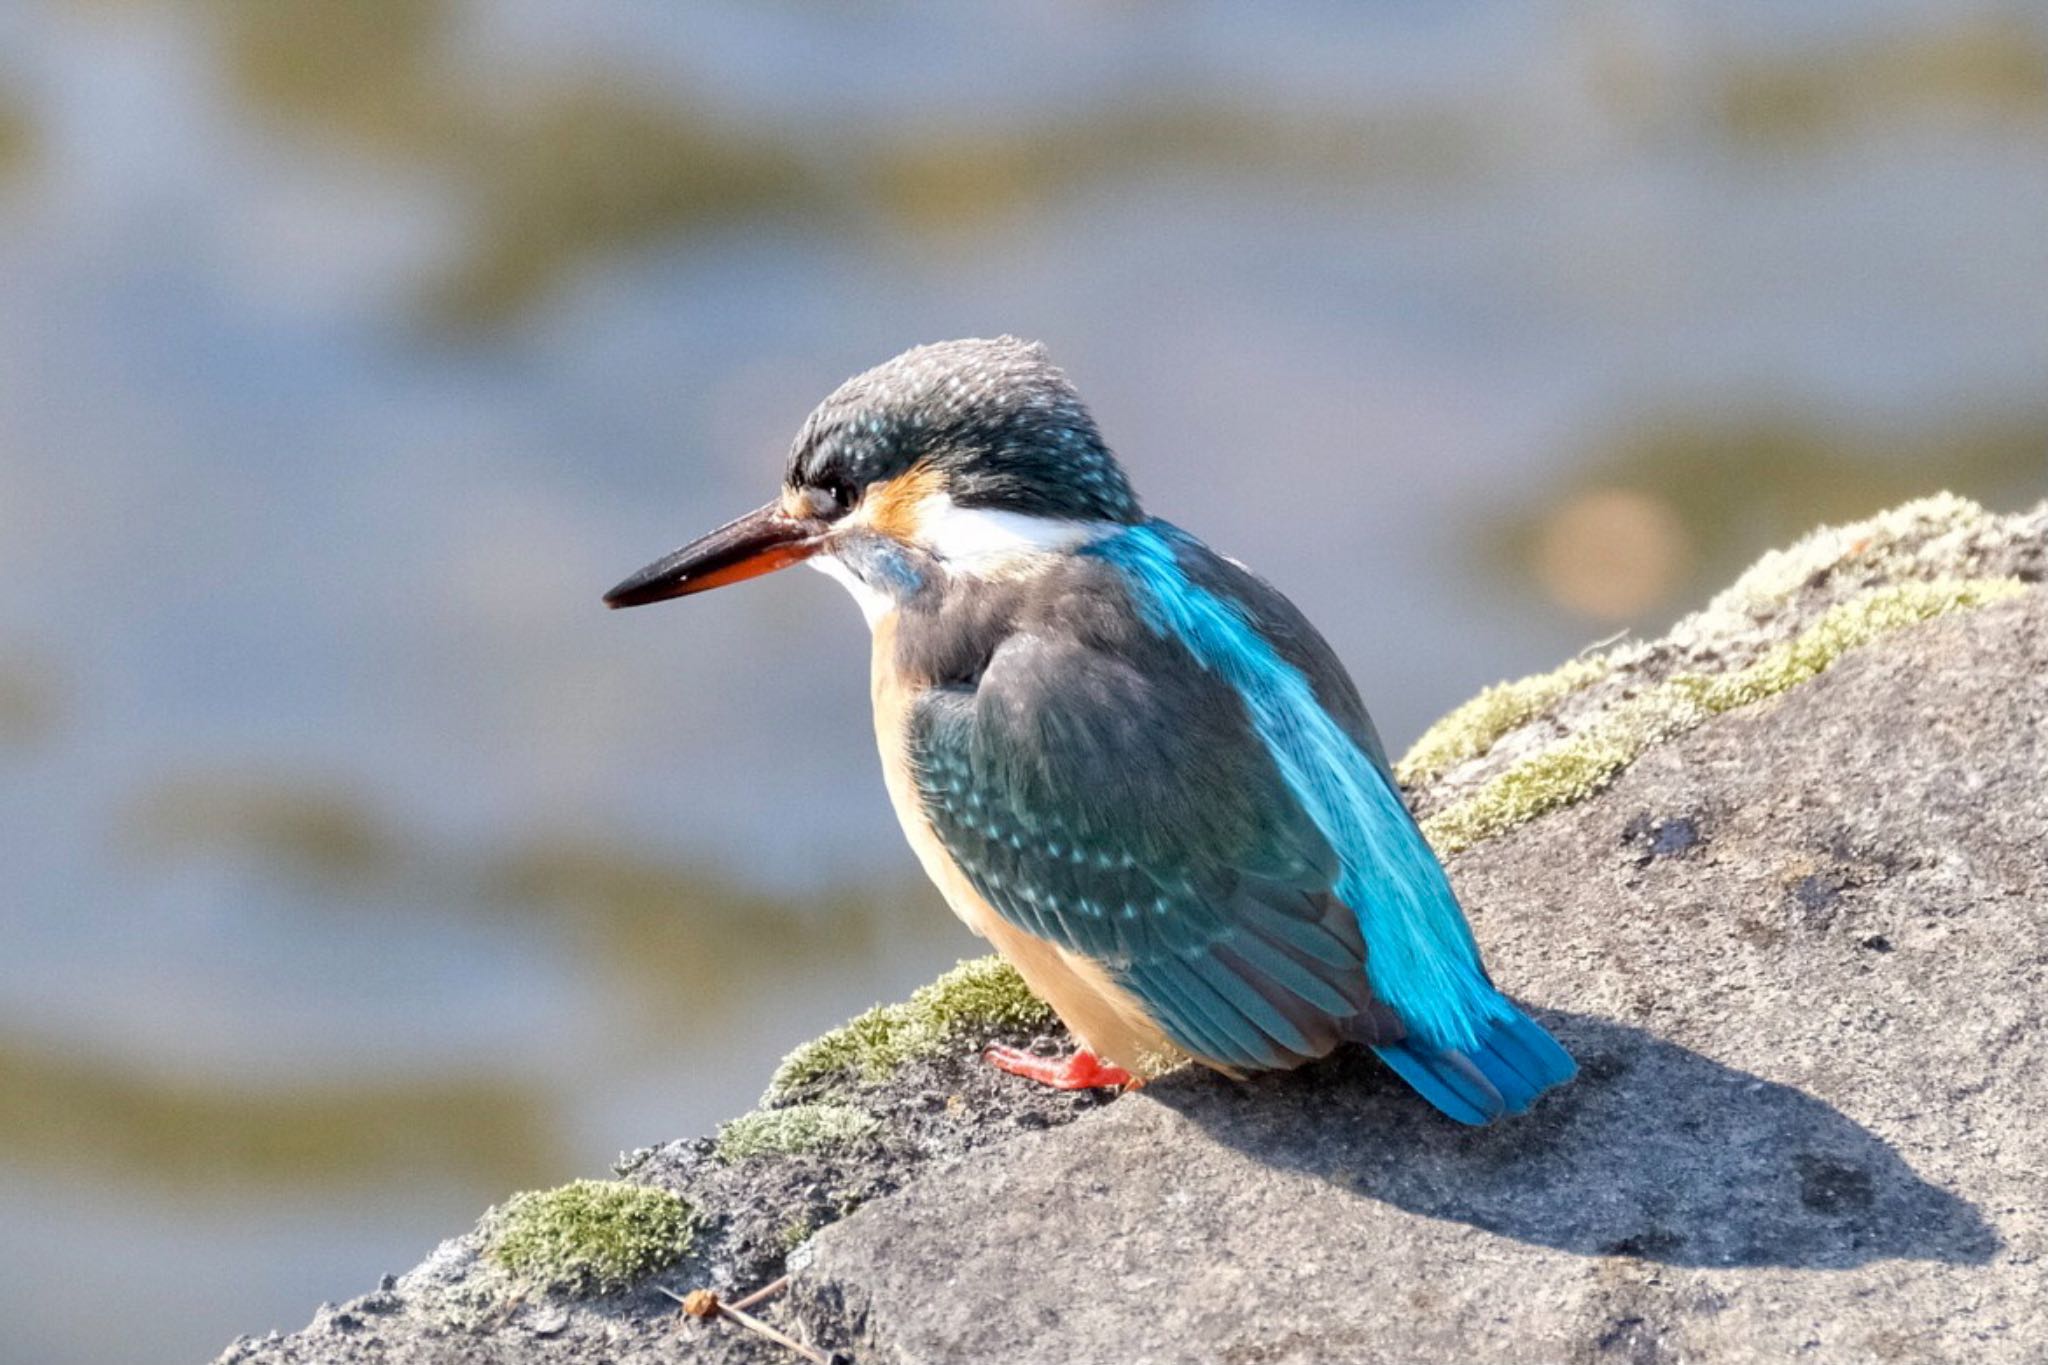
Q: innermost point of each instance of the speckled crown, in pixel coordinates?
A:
(995, 418)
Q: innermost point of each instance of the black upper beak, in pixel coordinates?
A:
(760, 542)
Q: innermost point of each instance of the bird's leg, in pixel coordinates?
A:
(1081, 1071)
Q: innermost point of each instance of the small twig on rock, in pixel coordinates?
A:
(1607, 643)
(703, 1304)
(764, 1293)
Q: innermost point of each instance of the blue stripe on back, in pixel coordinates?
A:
(1420, 958)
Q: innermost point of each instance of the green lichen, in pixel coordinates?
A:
(796, 1232)
(1843, 628)
(794, 1130)
(590, 1236)
(1922, 539)
(1569, 772)
(984, 995)
(1473, 729)
(1562, 775)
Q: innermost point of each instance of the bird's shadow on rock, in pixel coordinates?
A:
(1654, 1152)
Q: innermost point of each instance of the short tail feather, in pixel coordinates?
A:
(1514, 1062)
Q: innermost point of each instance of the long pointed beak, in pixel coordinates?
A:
(760, 542)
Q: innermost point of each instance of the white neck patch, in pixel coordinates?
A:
(979, 539)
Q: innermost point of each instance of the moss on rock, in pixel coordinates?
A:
(794, 1130)
(1580, 766)
(984, 995)
(1928, 538)
(1471, 730)
(590, 1236)
(1844, 627)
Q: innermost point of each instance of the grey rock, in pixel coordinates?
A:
(1783, 1145)
(1800, 951)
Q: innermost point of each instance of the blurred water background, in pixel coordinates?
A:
(360, 869)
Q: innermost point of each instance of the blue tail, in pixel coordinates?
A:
(1514, 1062)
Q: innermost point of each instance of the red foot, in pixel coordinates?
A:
(1082, 1071)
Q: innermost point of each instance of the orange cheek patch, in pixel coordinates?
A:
(892, 508)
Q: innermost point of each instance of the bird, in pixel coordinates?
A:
(1124, 759)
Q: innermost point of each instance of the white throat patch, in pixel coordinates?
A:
(874, 604)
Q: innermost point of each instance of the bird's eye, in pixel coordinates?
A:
(831, 497)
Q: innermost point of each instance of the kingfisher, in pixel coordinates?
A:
(1126, 761)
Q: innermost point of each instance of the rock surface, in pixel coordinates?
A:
(1808, 1126)
(1800, 949)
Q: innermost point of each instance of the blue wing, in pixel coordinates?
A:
(1107, 787)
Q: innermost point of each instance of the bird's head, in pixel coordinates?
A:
(962, 457)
